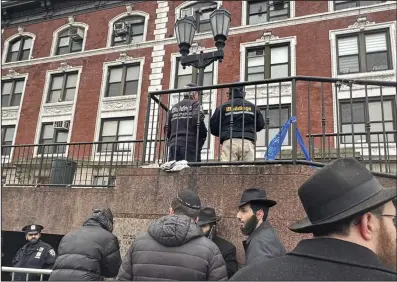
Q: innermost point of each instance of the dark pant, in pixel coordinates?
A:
(179, 153)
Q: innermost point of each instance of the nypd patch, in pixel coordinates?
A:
(52, 252)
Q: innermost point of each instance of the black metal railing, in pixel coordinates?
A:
(334, 118)
(75, 165)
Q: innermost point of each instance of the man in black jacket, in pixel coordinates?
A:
(175, 248)
(185, 130)
(207, 221)
(90, 252)
(236, 123)
(34, 254)
(353, 220)
(262, 242)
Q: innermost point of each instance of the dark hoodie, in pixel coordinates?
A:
(174, 248)
(247, 119)
(90, 252)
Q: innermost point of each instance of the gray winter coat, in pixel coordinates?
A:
(174, 248)
(263, 244)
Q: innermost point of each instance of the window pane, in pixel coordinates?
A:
(378, 127)
(69, 94)
(377, 61)
(137, 29)
(57, 82)
(9, 134)
(107, 146)
(260, 69)
(358, 112)
(358, 128)
(279, 71)
(63, 50)
(27, 44)
(77, 46)
(55, 95)
(375, 42)
(137, 38)
(124, 146)
(253, 77)
(64, 41)
(208, 79)
(18, 87)
(205, 26)
(258, 7)
(132, 73)
(345, 5)
(25, 55)
(71, 80)
(347, 46)
(181, 71)
(256, 61)
(348, 64)
(62, 137)
(255, 19)
(115, 75)
(14, 56)
(4, 100)
(118, 41)
(16, 99)
(7, 86)
(15, 46)
(114, 89)
(126, 127)
(279, 55)
(48, 131)
(183, 80)
(131, 88)
(375, 111)
(109, 128)
(273, 132)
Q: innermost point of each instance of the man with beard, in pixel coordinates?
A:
(34, 254)
(263, 242)
(91, 252)
(353, 220)
(175, 248)
(207, 222)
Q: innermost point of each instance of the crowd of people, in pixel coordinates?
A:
(351, 216)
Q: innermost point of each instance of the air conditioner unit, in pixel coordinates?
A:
(76, 33)
(62, 125)
(120, 28)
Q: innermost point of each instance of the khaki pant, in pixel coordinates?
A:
(235, 152)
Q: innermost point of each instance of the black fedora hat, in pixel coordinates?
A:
(342, 189)
(206, 216)
(257, 195)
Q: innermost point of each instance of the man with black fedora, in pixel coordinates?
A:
(208, 221)
(34, 254)
(353, 221)
(263, 242)
(175, 248)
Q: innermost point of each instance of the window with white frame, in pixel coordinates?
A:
(7, 137)
(122, 80)
(364, 52)
(201, 12)
(270, 61)
(62, 87)
(52, 133)
(353, 118)
(70, 40)
(116, 129)
(19, 49)
(267, 11)
(346, 4)
(11, 92)
(185, 76)
(128, 30)
(278, 116)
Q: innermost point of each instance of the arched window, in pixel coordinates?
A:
(128, 30)
(201, 12)
(70, 40)
(19, 49)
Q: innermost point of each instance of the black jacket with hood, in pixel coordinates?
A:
(247, 119)
(174, 248)
(90, 252)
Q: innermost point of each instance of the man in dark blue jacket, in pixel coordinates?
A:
(236, 123)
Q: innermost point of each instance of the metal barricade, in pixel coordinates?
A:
(26, 271)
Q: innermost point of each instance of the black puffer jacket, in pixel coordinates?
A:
(88, 253)
(174, 248)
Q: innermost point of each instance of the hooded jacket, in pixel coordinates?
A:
(247, 119)
(174, 248)
(88, 253)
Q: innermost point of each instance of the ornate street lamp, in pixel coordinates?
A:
(185, 29)
(220, 24)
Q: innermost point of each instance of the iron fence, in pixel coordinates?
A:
(27, 271)
(321, 118)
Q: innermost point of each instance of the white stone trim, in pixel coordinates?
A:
(62, 28)
(13, 37)
(123, 15)
(188, 3)
(331, 6)
(244, 12)
(58, 111)
(234, 30)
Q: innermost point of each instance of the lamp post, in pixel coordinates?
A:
(185, 29)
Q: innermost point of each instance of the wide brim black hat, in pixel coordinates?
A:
(358, 200)
(207, 216)
(256, 195)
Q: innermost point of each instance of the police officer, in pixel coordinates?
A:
(34, 254)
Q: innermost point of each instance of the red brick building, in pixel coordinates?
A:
(63, 62)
